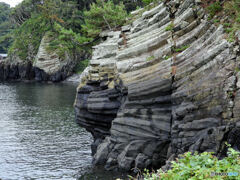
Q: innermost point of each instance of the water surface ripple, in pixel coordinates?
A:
(38, 136)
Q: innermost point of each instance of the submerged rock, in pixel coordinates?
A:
(171, 87)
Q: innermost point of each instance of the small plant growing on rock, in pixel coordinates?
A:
(150, 58)
(166, 57)
(169, 27)
(216, 21)
(181, 49)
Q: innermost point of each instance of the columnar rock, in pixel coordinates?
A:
(164, 85)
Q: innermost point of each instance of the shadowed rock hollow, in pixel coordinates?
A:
(164, 85)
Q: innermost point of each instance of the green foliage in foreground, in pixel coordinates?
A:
(200, 166)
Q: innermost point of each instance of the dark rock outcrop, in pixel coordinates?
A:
(165, 85)
(18, 71)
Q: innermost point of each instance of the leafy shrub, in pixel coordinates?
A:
(200, 166)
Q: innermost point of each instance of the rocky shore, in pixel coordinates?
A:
(26, 71)
(166, 84)
(46, 66)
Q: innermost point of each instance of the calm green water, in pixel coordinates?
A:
(38, 136)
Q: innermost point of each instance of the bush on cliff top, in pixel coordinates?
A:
(28, 36)
(200, 166)
(102, 16)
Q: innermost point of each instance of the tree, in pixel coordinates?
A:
(50, 10)
(130, 5)
(102, 16)
(5, 27)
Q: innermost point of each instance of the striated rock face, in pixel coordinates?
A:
(50, 64)
(165, 85)
(46, 67)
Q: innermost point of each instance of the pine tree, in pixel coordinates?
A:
(102, 16)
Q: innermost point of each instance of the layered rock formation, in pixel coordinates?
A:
(47, 66)
(166, 84)
(51, 66)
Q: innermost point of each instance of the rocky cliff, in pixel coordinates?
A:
(166, 84)
(46, 66)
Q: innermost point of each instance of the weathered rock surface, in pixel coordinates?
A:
(151, 94)
(46, 67)
(15, 71)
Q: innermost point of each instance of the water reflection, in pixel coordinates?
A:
(38, 136)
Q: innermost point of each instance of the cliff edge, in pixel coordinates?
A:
(166, 84)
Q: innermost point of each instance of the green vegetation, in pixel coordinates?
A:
(237, 69)
(40, 20)
(216, 21)
(150, 58)
(71, 26)
(27, 38)
(214, 8)
(200, 166)
(181, 48)
(130, 5)
(229, 12)
(166, 57)
(102, 16)
(169, 27)
(232, 10)
(5, 27)
(147, 2)
(81, 66)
